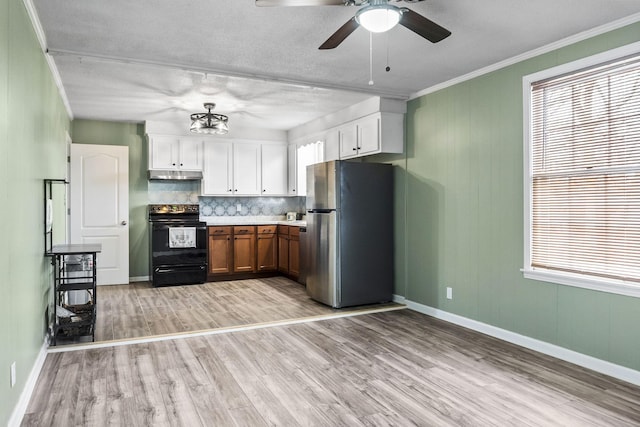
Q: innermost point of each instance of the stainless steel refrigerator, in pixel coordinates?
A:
(349, 249)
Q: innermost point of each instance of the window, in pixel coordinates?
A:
(582, 182)
(308, 154)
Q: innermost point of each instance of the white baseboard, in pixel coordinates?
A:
(139, 279)
(30, 385)
(602, 366)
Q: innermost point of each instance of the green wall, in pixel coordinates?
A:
(131, 135)
(33, 129)
(463, 179)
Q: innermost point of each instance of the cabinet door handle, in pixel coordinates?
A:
(229, 190)
(354, 148)
(236, 189)
(173, 164)
(294, 190)
(181, 164)
(359, 148)
(264, 191)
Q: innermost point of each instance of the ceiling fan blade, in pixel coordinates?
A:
(423, 26)
(342, 33)
(299, 2)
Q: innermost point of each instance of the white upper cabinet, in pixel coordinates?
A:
(375, 125)
(292, 167)
(372, 134)
(163, 152)
(246, 169)
(191, 154)
(331, 145)
(368, 136)
(274, 170)
(217, 176)
(175, 153)
(360, 137)
(348, 140)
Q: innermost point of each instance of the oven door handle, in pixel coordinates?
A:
(166, 226)
(173, 270)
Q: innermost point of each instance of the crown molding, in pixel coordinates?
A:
(631, 19)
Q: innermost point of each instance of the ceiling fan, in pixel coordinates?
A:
(376, 16)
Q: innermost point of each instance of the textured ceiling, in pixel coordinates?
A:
(161, 59)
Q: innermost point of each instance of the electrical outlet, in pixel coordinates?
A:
(449, 292)
(13, 374)
(239, 207)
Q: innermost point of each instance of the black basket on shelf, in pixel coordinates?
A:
(83, 316)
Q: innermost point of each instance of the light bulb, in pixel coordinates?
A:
(378, 19)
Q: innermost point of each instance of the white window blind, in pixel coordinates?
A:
(585, 172)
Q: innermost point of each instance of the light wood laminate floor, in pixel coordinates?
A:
(140, 310)
(397, 368)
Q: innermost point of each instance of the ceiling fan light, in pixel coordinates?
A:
(378, 18)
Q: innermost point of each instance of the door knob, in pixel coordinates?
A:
(123, 223)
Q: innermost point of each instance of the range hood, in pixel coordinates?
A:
(175, 175)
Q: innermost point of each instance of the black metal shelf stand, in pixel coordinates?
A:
(74, 270)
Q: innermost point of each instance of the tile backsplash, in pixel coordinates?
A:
(189, 192)
(161, 192)
(250, 206)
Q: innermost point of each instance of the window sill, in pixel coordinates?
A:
(603, 285)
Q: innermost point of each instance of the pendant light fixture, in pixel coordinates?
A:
(211, 123)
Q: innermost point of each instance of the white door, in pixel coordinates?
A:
(100, 206)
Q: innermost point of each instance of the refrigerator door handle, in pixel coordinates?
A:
(320, 211)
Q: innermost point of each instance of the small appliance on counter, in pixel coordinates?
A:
(294, 216)
(178, 245)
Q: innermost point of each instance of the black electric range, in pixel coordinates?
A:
(178, 244)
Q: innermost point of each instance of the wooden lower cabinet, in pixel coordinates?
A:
(283, 249)
(244, 249)
(220, 250)
(289, 250)
(267, 242)
(294, 252)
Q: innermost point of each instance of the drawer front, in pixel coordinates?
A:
(267, 229)
(294, 231)
(219, 231)
(243, 229)
(283, 229)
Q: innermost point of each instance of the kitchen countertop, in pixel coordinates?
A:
(250, 220)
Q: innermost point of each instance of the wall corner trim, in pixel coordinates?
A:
(29, 387)
(42, 39)
(602, 366)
